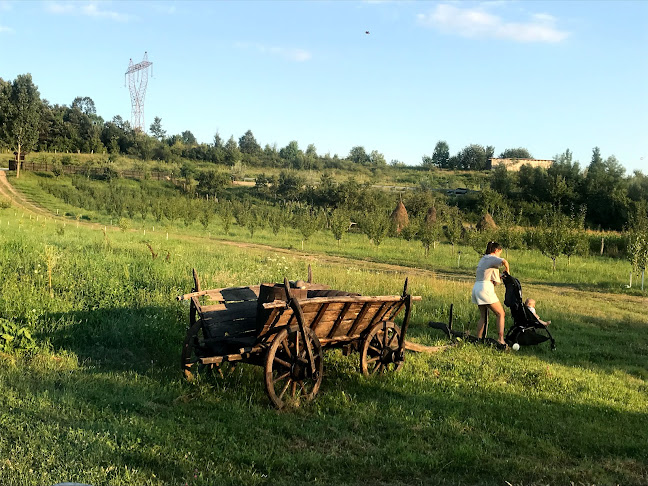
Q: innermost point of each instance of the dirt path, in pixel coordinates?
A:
(19, 201)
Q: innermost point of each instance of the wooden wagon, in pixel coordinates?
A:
(285, 328)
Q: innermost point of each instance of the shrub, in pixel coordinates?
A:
(124, 224)
(13, 337)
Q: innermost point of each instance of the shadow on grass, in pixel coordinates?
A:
(383, 430)
(599, 344)
(386, 430)
(122, 338)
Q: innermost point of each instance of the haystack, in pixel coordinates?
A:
(399, 217)
(486, 223)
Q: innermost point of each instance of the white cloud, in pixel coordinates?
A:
(476, 23)
(5, 30)
(87, 9)
(6, 6)
(288, 53)
(164, 8)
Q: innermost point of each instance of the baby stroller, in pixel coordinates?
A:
(527, 330)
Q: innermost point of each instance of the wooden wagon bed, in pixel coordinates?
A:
(284, 328)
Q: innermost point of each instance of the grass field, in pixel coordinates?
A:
(100, 399)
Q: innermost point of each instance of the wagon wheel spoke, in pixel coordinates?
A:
(391, 339)
(288, 377)
(374, 349)
(377, 353)
(286, 348)
(284, 389)
(281, 377)
(283, 363)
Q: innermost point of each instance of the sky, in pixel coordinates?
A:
(391, 76)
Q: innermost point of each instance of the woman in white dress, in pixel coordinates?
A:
(483, 292)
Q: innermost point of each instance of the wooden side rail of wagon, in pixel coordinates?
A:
(285, 328)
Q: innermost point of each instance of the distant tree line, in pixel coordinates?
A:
(608, 197)
(34, 124)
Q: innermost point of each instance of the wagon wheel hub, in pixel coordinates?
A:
(387, 355)
(299, 371)
(380, 350)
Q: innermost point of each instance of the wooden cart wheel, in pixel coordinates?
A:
(288, 378)
(379, 352)
(193, 349)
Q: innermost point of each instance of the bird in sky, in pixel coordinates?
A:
(366, 31)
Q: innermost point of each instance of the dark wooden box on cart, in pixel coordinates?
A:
(285, 327)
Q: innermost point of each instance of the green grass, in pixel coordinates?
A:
(101, 401)
(593, 273)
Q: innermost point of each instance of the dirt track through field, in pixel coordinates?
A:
(20, 201)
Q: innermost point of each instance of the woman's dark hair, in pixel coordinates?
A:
(492, 246)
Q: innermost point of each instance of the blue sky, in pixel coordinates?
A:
(542, 75)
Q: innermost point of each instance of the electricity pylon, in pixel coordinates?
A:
(137, 81)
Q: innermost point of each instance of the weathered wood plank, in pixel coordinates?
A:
(220, 329)
(339, 318)
(320, 314)
(376, 317)
(245, 294)
(343, 299)
(253, 288)
(359, 318)
(204, 309)
(231, 312)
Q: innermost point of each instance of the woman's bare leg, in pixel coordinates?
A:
(498, 310)
(483, 310)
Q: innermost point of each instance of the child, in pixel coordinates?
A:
(530, 304)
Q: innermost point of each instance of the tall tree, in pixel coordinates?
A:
(188, 138)
(23, 115)
(377, 159)
(156, 128)
(232, 152)
(359, 156)
(441, 154)
(291, 153)
(85, 105)
(516, 153)
(501, 181)
(605, 192)
(564, 179)
(5, 91)
(218, 141)
(472, 157)
(248, 144)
